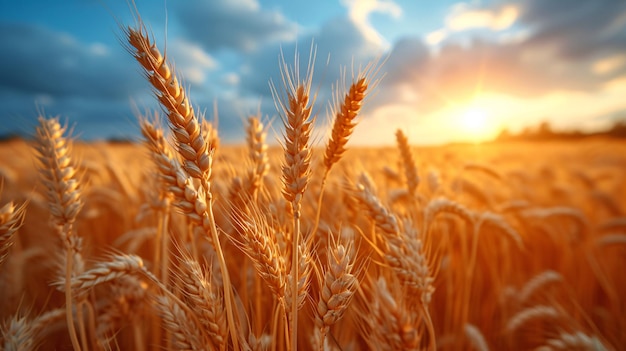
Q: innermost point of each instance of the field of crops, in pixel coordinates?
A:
(512, 246)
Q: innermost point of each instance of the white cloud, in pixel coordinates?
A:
(464, 17)
(436, 37)
(192, 61)
(359, 12)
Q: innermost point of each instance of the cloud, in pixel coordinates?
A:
(359, 12)
(339, 43)
(192, 62)
(240, 25)
(53, 72)
(464, 17)
(554, 55)
(590, 29)
(42, 61)
(609, 64)
(436, 37)
(524, 50)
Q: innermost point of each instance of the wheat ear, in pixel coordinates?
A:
(383, 218)
(257, 151)
(338, 285)
(387, 324)
(345, 112)
(244, 190)
(186, 334)
(204, 301)
(18, 334)
(540, 281)
(167, 165)
(576, 341)
(443, 205)
(344, 123)
(11, 219)
(408, 163)
(183, 121)
(41, 324)
(106, 271)
(191, 145)
(497, 221)
(407, 256)
(259, 243)
(295, 112)
(532, 313)
(475, 337)
(62, 189)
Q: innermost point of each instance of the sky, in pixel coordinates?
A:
(448, 71)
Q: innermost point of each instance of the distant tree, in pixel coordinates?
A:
(544, 131)
(505, 134)
(618, 129)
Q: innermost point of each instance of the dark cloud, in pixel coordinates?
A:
(577, 31)
(39, 61)
(43, 70)
(409, 55)
(92, 118)
(339, 45)
(240, 25)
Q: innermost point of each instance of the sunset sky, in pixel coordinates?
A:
(453, 71)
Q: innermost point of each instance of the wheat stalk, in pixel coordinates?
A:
(295, 112)
(64, 201)
(191, 145)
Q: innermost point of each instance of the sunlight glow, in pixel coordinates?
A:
(473, 123)
(474, 120)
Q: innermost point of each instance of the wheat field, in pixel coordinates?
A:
(182, 243)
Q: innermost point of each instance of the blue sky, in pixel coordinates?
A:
(453, 71)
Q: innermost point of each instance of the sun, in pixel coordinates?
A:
(474, 120)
